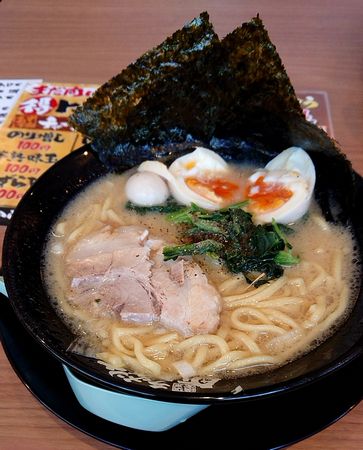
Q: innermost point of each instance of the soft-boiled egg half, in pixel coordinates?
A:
(283, 189)
(201, 177)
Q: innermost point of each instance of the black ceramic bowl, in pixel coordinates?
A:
(22, 257)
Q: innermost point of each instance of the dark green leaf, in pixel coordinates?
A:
(265, 242)
(279, 230)
(257, 251)
(111, 110)
(199, 248)
(171, 206)
(209, 226)
(285, 258)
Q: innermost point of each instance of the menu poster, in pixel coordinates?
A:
(36, 135)
(10, 91)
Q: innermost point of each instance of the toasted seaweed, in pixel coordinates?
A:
(231, 95)
(191, 87)
(108, 110)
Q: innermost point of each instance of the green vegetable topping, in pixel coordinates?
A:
(258, 251)
(208, 246)
(170, 206)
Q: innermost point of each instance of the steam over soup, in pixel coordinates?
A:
(201, 268)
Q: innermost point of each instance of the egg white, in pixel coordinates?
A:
(200, 163)
(293, 169)
(146, 189)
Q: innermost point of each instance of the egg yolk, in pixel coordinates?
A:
(266, 196)
(215, 187)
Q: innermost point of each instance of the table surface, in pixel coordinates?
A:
(89, 41)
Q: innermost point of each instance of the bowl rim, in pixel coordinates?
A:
(140, 389)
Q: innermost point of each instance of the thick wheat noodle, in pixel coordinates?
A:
(259, 328)
(322, 223)
(341, 305)
(222, 362)
(84, 226)
(316, 266)
(196, 349)
(223, 357)
(261, 293)
(77, 232)
(246, 340)
(214, 352)
(149, 364)
(200, 356)
(168, 337)
(318, 281)
(106, 205)
(279, 316)
(134, 364)
(112, 358)
(280, 301)
(330, 307)
(222, 331)
(114, 217)
(189, 353)
(302, 288)
(318, 329)
(127, 331)
(230, 283)
(97, 211)
(277, 343)
(319, 310)
(330, 284)
(120, 347)
(245, 310)
(296, 281)
(239, 302)
(254, 334)
(87, 212)
(266, 328)
(234, 344)
(204, 339)
(252, 361)
(157, 350)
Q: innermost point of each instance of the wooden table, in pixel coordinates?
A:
(89, 41)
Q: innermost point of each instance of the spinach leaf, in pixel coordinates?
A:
(258, 251)
(169, 207)
(207, 246)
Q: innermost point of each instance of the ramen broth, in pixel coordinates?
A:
(260, 328)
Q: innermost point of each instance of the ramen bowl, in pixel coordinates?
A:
(140, 399)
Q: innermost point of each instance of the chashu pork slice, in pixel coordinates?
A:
(121, 273)
(189, 303)
(110, 275)
(93, 253)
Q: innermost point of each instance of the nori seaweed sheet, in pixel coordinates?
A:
(191, 87)
(231, 95)
(108, 111)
